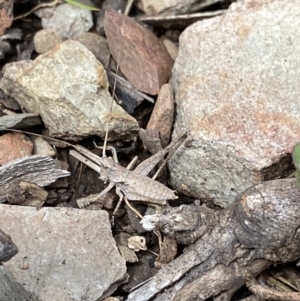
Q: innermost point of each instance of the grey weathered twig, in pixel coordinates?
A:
(260, 228)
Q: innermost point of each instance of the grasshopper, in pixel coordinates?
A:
(130, 185)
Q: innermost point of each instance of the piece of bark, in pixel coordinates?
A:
(266, 293)
(141, 56)
(175, 7)
(181, 21)
(40, 170)
(185, 223)
(167, 252)
(260, 228)
(19, 121)
(163, 113)
(27, 194)
(7, 248)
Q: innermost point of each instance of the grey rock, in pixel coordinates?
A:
(7, 248)
(97, 44)
(22, 120)
(11, 290)
(41, 146)
(64, 254)
(66, 19)
(68, 87)
(174, 7)
(45, 39)
(236, 86)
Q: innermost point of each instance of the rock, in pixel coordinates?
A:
(163, 113)
(27, 194)
(137, 243)
(172, 48)
(128, 97)
(67, 19)
(174, 7)
(8, 102)
(6, 16)
(151, 140)
(36, 170)
(11, 34)
(22, 120)
(122, 243)
(7, 248)
(66, 254)
(96, 44)
(236, 92)
(117, 5)
(146, 64)
(77, 103)
(46, 39)
(14, 146)
(11, 290)
(42, 147)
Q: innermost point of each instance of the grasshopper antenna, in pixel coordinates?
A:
(105, 143)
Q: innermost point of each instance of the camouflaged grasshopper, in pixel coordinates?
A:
(130, 185)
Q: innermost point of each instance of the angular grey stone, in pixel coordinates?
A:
(10, 290)
(174, 7)
(237, 90)
(64, 254)
(68, 87)
(66, 18)
(46, 39)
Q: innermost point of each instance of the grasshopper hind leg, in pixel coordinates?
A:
(85, 203)
(121, 197)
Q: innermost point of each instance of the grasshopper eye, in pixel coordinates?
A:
(296, 160)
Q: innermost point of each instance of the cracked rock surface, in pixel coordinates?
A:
(236, 86)
(68, 88)
(64, 254)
